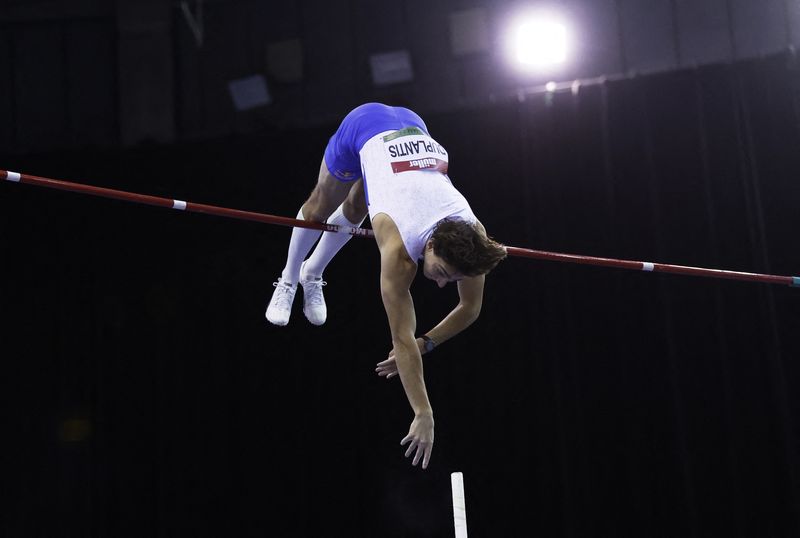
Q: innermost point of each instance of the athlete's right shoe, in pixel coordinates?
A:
(280, 306)
(313, 299)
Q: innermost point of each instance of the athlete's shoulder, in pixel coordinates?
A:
(386, 232)
(390, 241)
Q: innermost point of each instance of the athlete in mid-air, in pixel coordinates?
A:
(383, 161)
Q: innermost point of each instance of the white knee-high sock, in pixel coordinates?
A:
(300, 244)
(329, 245)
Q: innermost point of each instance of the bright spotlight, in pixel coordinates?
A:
(538, 41)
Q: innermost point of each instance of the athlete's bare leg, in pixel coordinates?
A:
(355, 205)
(328, 194)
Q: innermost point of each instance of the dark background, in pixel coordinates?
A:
(146, 395)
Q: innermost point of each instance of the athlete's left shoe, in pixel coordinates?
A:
(280, 306)
(313, 299)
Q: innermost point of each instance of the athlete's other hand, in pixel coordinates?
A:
(420, 439)
(388, 368)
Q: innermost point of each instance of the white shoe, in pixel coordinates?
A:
(313, 300)
(280, 306)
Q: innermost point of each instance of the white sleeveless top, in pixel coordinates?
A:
(405, 176)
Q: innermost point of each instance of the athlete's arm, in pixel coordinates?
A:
(470, 290)
(397, 273)
(470, 293)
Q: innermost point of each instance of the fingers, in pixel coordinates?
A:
(417, 456)
(387, 368)
(421, 451)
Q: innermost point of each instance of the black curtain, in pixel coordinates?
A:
(147, 396)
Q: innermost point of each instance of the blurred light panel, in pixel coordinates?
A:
(469, 32)
(391, 67)
(249, 92)
(537, 41)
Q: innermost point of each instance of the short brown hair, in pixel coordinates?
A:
(466, 247)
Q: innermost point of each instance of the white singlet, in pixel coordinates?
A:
(405, 177)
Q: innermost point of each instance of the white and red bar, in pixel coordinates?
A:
(653, 267)
(177, 204)
(362, 232)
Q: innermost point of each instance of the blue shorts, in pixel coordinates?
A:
(361, 124)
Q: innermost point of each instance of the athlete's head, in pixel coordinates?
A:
(458, 249)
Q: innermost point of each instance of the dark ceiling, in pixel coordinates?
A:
(90, 72)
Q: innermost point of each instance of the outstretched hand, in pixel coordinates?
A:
(420, 438)
(420, 434)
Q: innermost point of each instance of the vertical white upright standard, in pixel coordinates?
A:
(459, 505)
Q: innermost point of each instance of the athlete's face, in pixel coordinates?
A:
(438, 270)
